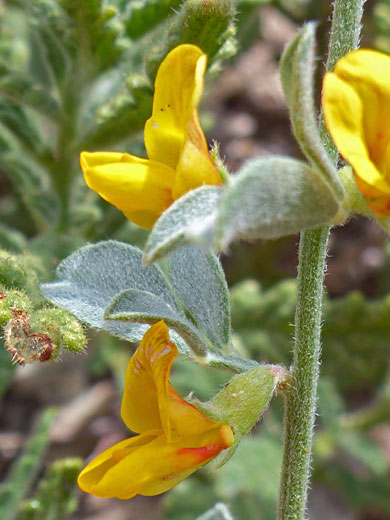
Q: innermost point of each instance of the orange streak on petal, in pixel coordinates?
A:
(202, 454)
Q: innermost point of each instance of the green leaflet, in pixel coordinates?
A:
(137, 306)
(93, 275)
(282, 197)
(199, 283)
(108, 287)
(297, 69)
(181, 222)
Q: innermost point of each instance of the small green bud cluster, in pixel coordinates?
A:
(23, 345)
(32, 332)
(10, 301)
(21, 272)
(209, 24)
(61, 326)
(39, 335)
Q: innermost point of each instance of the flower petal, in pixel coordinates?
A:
(178, 88)
(148, 465)
(195, 166)
(185, 419)
(185, 460)
(356, 103)
(379, 203)
(145, 403)
(89, 478)
(140, 188)
(149, 400)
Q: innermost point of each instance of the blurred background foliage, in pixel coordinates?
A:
(78, 75)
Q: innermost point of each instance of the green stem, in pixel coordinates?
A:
(345, 31)
(301, 395)
(67, 147)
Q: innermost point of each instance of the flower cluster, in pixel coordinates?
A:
(179, 160)
(174, 439)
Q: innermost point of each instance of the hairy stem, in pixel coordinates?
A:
(301, 395)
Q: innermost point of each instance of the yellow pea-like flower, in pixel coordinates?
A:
(178, 158)
(356, 106)
(175, 438)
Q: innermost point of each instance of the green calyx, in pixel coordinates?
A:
(243, 400)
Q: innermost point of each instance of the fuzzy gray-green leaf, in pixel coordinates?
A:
(144, 307)
(297, 71)
(93, 275)
(23, 89)
(199, 283)
(181, 220)
(273, 197)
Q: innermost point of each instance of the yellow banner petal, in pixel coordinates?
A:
(149, 400)
(140, 188)
(145, 403)
(178, 88)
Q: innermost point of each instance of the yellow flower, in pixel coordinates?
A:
(175, 437)
(178, 155)
(356, 105)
